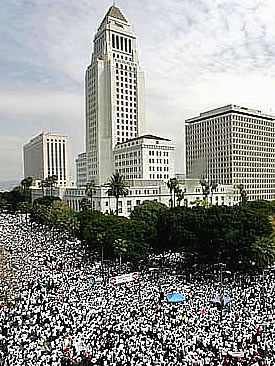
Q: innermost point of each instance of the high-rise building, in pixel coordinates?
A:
(234, 146)
(145, 157)
(46, 155)
(81, 170)
(115, 94)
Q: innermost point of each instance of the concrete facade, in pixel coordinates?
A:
(146, 157)
(81, 170)
(46, 155)
(144, 190)
(115, 94)
(233, 145)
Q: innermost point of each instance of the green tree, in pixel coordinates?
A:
(3, 204)
(263, 251)
(117, 188)
(243, 193)
(179, 194)
(43, 184)
(120, 248)
(208, 188)
(89, 191)
(51, 182)
(173, 186)
(65, 219)
(85, 204)
(13, 198)
(46, 201)
(26, 184)
(147, 214)
(24, 208)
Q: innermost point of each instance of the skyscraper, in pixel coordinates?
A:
(46, 155)
(115, 94)
(234, 146)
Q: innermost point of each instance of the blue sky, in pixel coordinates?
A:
(196, 54)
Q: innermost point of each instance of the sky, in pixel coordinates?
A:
(197, 55)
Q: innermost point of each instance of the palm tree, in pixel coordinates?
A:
(43, 184)
(120, 248)
(26, 184)
(243, 193)
(205, 188)
(51, 182)
(173, 186)
(117, 188)
(90, 190)
(180, 195)
(85, 204)
(208, 188)
(213, 187)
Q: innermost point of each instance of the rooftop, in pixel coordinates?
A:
(230, 108)
(116, 13)
(151, 137)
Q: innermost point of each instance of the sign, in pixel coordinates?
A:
(129, 277)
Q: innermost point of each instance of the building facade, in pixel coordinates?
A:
(46, 155)
(115, 94)
(234, 146)
(81, 170)
(144, 190)
(146, 157)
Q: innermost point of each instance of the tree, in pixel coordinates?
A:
(263, 251)
(117, 188)
(65, 219)
(51, 182)
(43, 184)
(173, 186)
(14, 197)
(208, 188)
(213, 188)
(85, 204)
(26, 184)
(3, 204)
(89, 191)
(179, 195)
(24, 208)
(147, 215)
(46, 201)
(243, 193)
(205, 188)
(120, 248)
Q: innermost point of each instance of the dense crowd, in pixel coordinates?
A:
(52, 312)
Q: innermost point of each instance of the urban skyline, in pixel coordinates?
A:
(191, 65)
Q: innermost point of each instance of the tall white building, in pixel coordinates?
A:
(145, 157)
(233, 145)
(115, 94)
(46, 155)
(81, 170)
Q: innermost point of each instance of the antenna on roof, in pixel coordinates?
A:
(114, 2)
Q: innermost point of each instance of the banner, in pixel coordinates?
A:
(129, 277)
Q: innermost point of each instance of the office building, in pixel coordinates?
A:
(146, 157)
(46, 155)
(115, 94)
(234, 146)
(81, 170)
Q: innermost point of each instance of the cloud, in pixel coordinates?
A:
(26, 113)
(196, 55)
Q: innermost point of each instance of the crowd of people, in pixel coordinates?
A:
(58, 308)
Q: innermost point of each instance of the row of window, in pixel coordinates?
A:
(122, 43)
